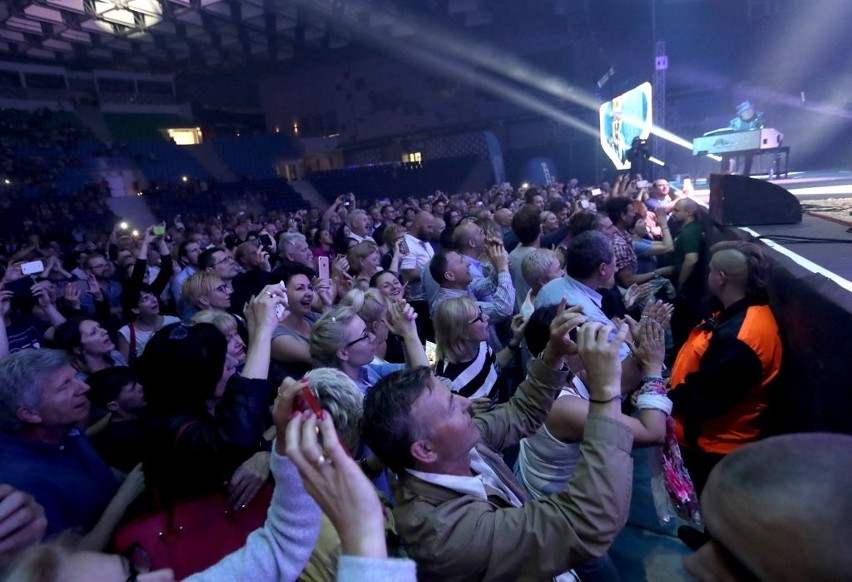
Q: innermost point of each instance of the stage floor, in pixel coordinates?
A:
(821, 243)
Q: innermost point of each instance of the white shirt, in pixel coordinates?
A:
(360, 239)
(419, 255)
(473, 485)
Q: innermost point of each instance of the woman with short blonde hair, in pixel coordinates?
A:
(227, 324)
(204, 290)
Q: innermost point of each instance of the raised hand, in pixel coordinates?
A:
(560, 343)
(600, 356)
(402, 318)
(337, 484)
(648, 346)
(266, 309)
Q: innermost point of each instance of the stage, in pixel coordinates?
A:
(820, 244)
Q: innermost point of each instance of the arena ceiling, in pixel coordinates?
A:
(164, 35)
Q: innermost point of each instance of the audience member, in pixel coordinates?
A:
(420, 253)
(291, 355)
(293, 250)
(90, 346)
(359, 226)
(364, 262)
(341, 339)
(723, 374)
(527, 229)
(122, 441)
(690, 262)
(206, 422)
(42, 401)
(494, 294)
(464, 357)
(539, 268)
(778, 509)
(458, 507)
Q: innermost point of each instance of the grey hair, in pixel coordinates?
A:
(535, 264)
(353, 215)
(286, 240)
(339, 395)
(20, 376)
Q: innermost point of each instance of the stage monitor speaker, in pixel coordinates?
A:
(744, 201)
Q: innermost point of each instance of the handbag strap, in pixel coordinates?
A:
(169, 505)
(132, 351)
(183, 428)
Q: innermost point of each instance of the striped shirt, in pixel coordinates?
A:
(477, 378)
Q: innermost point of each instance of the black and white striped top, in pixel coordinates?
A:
(478, 378)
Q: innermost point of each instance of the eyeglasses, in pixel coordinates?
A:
(139, 561)
(227, 259)
(223, 288)
(479, 317)
(365, 335)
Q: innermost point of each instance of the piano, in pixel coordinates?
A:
(736, 142)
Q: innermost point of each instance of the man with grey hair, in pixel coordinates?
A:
(43, 453)
(359, 226)
(293, 250)
(539, 268)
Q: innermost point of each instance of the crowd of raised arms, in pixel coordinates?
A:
(439, 387)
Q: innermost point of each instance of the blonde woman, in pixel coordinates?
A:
(464, 357)
(364, 262)
(225, 323)
(549, 222)
(204, 290)
(373, 308)
(342, 340)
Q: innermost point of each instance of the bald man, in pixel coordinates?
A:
(503, 218)
(779, 509)
(723, 373)
(689, 261)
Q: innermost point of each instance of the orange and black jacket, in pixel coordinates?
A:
(722, 375)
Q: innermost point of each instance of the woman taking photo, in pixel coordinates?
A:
(206, 423)
(464, 357)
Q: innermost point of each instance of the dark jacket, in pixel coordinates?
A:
(192, 454)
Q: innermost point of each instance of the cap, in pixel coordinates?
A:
(743, 107)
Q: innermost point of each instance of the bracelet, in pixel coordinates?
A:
(617, 397)
(649, 378)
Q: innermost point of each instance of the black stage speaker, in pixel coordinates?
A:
(744, 201)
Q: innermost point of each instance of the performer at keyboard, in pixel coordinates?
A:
(747, 119)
